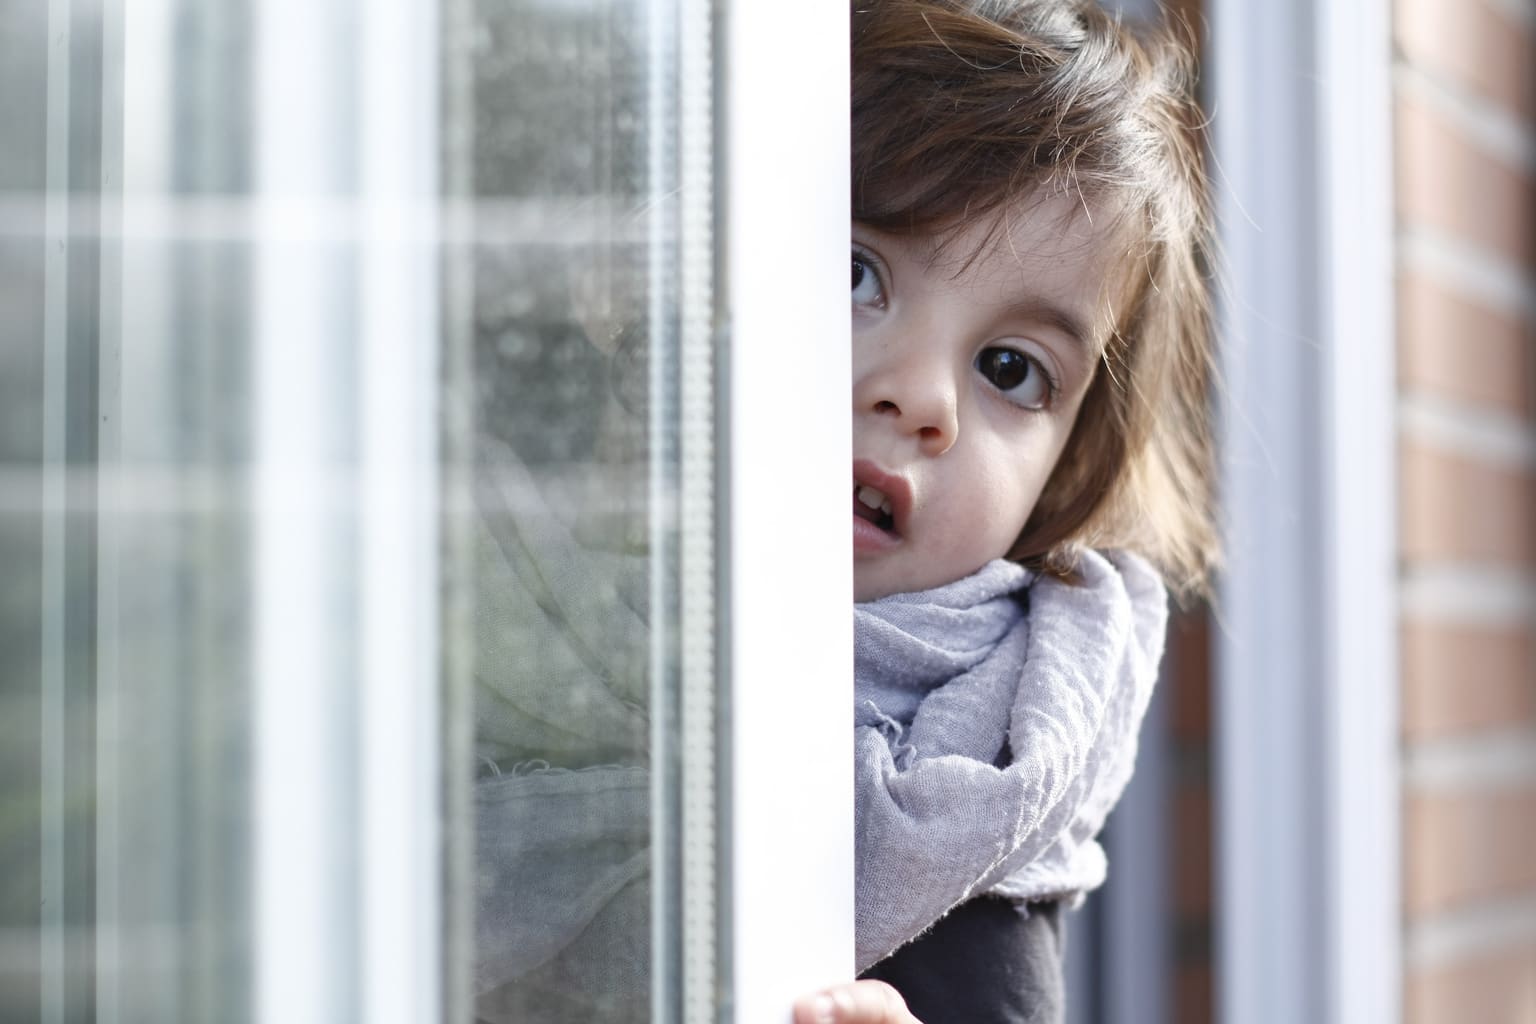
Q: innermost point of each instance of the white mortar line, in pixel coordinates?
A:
(1487, 124)
(1500, 283)
(1468, 430)
(1504, 925)
(1464, 594)
(1505, 759)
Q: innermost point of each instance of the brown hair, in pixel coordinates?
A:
(963, 108)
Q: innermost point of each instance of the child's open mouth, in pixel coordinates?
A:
(871, 504)
(882, 508)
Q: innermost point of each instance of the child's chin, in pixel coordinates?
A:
(865, 591)
(872, 586)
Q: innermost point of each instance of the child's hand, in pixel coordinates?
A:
(857, 1002)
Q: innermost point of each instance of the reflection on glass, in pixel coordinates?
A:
(136, 239)
(566, 265)
(124, 685)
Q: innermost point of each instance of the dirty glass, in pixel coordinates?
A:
(565, 155)
(124, 656)
(190, 683)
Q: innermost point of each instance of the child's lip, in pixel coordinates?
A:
(896, 489)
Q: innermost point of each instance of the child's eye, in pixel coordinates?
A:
(1022, 379)
(867, 290)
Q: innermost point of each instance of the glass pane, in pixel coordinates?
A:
(125, 830)
(566, 128)
(192, 775)
(23, 179)
(137, 237)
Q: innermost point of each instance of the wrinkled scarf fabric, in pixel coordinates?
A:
(562, 812)
(995, 727)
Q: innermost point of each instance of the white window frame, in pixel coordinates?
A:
(1308, 787)
(785, 226)
(781, 169)
(786, 912)
(316, 234)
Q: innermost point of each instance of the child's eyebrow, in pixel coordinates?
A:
(1064, 320)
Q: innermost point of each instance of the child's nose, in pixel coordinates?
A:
(917, 398)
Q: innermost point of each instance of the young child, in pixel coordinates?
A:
(1031, 467)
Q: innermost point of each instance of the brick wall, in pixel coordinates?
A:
(1465, 97)
(1192, 990)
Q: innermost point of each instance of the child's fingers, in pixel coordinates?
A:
(858, 1002)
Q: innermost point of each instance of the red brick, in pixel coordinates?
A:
(1459, 509)
(1455, 348)
(1473, 45)
(1193, 994)
(1189, 676)
(1192, 854)
(1459, 679)
(1497, 987)
(1450, 184)
(1467, 847)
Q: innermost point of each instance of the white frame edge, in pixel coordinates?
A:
(1354, 41)
(1307, 733)
(400, 774)
(785, 230)
(298, 319)
(332, 532)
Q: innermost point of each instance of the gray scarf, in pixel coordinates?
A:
(563, 805)
(995, 727)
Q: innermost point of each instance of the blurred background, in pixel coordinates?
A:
(346, 445)
(1351, 731)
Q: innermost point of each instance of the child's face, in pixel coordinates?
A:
(967, 379)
